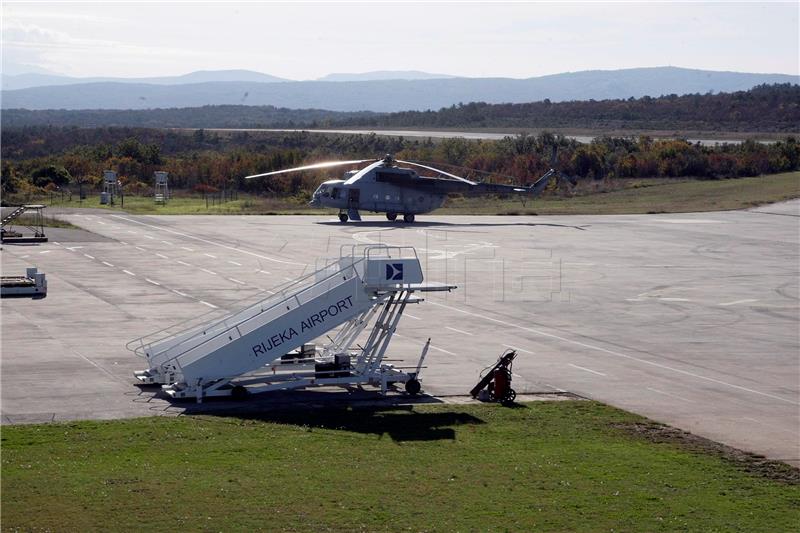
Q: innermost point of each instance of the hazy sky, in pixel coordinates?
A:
(307, 40)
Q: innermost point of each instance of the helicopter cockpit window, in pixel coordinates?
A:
(335, 193)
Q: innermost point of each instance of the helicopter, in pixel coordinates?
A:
(383, 186)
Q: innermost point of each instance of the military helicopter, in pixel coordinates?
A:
(385, 187)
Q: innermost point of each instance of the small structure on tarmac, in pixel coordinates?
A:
(162, 187)
(33, 283)
(9, 235)
(110, 187)
(247, 350)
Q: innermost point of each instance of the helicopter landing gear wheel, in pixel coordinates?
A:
(391, 216)
(342, 217)
(408, 218)
(413, 387)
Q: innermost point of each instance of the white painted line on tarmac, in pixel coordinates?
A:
(140, 248)
(187, 248)
(616, 354)
(179, 293)
(234, 263)
(167, 243)
(518, 349)
(212, 306)
(288, 279)
(668, 394)
(131, 231)
(211, 242)
(212, 256)
(162, 256)
(45, 251)
(128, 272)
(103, 223)
(586, 369)
(107, 263)
(148, 280)
(123, 242)
(737, 302)
(209, 271)
(441, 350)
(89, 256)
(237, 281)
(184, 263)
(412, 316)
(263, 271)
(57, 243)
(554, 387)
(674, 300)
(149, 237)
(460, 331)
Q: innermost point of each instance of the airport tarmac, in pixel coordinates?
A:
(690, 319)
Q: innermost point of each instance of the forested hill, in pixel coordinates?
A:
(765, 108)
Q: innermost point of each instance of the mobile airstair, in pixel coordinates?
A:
(267, 346)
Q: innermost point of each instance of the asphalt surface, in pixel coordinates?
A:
(690, 319)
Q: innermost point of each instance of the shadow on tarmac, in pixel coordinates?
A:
(399, 225)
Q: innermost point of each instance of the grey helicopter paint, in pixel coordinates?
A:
(384, 187)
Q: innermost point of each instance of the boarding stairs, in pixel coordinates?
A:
(13, 215)
(260, 347)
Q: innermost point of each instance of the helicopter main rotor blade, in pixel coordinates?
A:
(315, 166)
(437, 170)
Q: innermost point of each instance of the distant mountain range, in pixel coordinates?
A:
(384, 75)
(380, 95)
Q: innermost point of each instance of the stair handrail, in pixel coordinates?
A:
(137, 345)
(229, 328)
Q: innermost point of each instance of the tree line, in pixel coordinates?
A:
(41, 158)
(765, 108)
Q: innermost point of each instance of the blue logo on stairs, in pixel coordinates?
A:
(394, 271)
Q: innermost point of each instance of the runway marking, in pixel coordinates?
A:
(167, 243)
(212, 306)
(128, 272)
(123, 242)
(187, 248)
(107, 263)
(237, 281)
(616, 354)
(587, 369)
(234, 263)
(140, 248)
(57, 243)
(89, 256)
(263, 271)
(184, 263)
(412, 316)
(148, 280)
(668, 394)
(211, 242)
(211, 256)
(45, 251)
(131, 231)
(674, 300)
(554, 387)
(73, 248)
(518, 349)
(459, 331)
(149, 237)
(687, 221)
(162, 256)
(441, 350)
(209, 271)
(738, 302)
(288, 279)
(179, 293)
(103, 223)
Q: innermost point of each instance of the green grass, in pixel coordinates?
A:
(645, 196)
(564, 466)
(622, 196)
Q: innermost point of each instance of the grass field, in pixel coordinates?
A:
(563, 466)
(591, 198)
